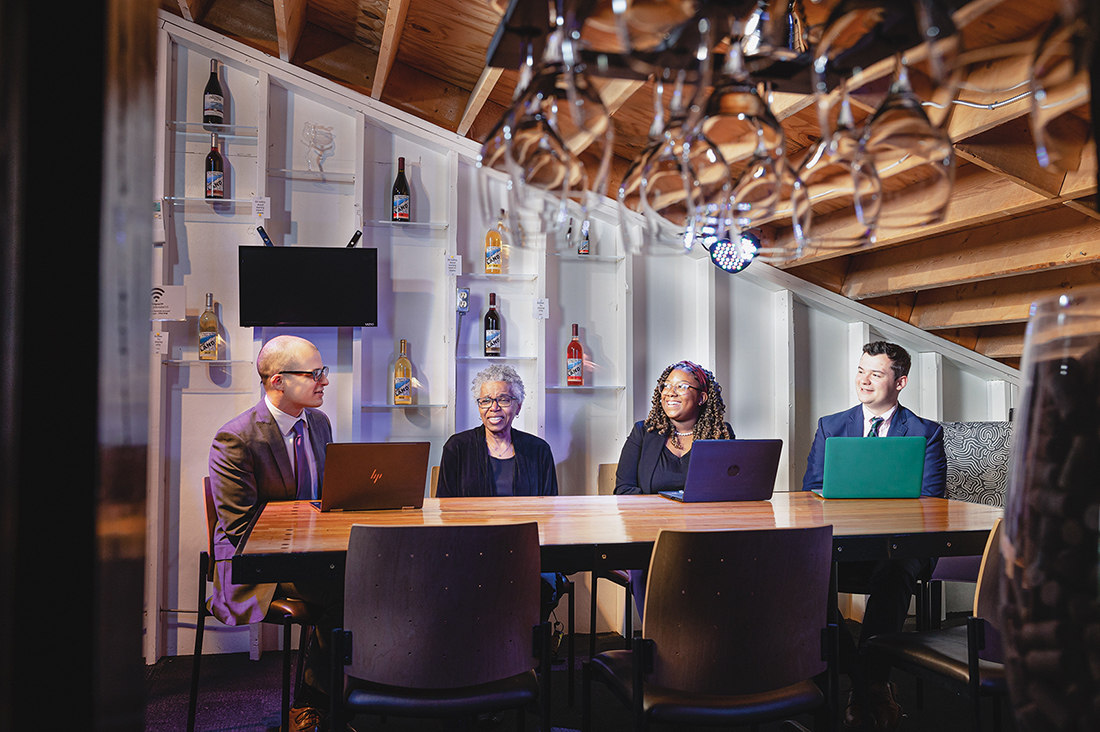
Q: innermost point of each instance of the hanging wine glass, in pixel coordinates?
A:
(630, 189)
(738, 122)
(776, 30)
(836, 173)
(857, 32)
(498, 175)
(1061, 93)
(913, 158)
(663, 191)
(647, 25)
(562, 140)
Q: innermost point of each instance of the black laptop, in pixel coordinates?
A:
(371, 476)
(730, 470)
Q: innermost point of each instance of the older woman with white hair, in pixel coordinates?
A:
(494, 459)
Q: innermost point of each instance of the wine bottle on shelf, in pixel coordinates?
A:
(402, 377)
(583, 245)
(213, 101)
(494, 247)
(215, 175)
(574, 361)
(401, 200)
(208, 331)
(492, 327)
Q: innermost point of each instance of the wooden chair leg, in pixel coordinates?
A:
(200, 626)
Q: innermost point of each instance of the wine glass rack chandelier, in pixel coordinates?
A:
(714, 172)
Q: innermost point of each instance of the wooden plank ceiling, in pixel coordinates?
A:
(1013, 232)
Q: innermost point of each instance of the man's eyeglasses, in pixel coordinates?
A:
(315, 374)
(502, 401)
(680, 387)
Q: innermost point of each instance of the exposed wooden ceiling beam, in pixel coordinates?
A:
(1046, 240)
(1086, 205)
(290, 20)
(995, 301)
(615, 92)
(979, 197)
(391, 39)
(1002, 341)
(482, 89)
(1009, 151)
(193, 10)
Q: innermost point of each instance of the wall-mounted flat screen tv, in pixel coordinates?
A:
(318, 286)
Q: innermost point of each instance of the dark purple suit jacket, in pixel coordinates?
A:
(249, 464)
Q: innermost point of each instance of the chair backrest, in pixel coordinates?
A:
(737, 612)
(605, 478)
(211, 521)
(435, 480)
(987, 596)
(437, 607)
(977, 460)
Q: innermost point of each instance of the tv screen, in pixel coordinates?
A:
(323, 286)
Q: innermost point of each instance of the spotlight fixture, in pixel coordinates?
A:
(734, 255)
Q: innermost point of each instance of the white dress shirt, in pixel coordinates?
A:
(884, 428)
(286, 424)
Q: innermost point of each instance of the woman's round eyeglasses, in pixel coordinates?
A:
(502, 401)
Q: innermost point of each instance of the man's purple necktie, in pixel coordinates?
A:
(301, 466)
(876, 422)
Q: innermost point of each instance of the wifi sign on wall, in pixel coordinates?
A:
(168, 302)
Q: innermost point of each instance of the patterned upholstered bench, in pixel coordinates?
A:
(977, 472)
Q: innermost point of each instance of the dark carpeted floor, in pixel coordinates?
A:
(239, 695)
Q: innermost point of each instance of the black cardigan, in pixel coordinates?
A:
(464, 469)
(638, 460)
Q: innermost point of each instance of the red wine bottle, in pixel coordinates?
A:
(401, 200)
(574, 361)
(492, 327)
(213, 101)
(215, 176)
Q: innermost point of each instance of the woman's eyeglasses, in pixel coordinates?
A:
(502, 401)
(680, 387)
(315, 374)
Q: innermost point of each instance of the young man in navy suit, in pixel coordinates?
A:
(882, 373)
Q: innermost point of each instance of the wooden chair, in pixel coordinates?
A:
(734, 630)
(605, 486)
(568, 588)
(965, 659)
(284, 612)
(441, 622)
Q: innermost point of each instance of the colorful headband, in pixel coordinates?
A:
(695, 370)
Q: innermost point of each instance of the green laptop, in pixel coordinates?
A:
(873, 467)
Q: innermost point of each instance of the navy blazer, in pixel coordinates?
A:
(850, 424)
(638, 460)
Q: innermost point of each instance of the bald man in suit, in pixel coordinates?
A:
(275, 451)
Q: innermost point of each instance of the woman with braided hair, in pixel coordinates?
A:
(687, 406)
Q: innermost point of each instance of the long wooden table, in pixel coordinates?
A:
(291, 539)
